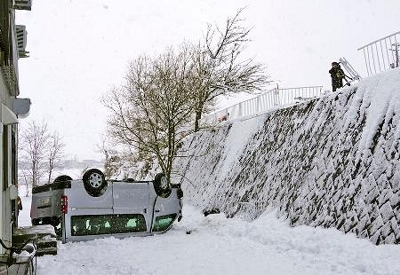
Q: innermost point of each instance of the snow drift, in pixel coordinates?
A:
(330, 162)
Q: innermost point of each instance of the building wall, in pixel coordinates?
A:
(7, 180)
(8, 123)
(5, 218)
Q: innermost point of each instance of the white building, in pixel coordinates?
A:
(12, 47)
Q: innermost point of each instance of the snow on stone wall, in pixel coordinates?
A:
(331, 162)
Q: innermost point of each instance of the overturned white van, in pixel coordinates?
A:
(94, 207)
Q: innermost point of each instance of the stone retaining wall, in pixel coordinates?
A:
(330, 162)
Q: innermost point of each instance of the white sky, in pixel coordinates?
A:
(80, 49)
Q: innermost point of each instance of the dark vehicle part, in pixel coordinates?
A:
(211, 211)
(62, 178)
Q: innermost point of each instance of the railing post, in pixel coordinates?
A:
(396, 54)
(276, 97)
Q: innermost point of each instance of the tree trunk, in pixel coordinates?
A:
(199, 112)
(49, 179)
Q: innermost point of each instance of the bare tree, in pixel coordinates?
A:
(219, 67)
(40, 151)
(149, 112)
(33, 146)
(55, 153)
(162, 96)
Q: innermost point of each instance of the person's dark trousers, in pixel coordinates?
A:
(336, 85)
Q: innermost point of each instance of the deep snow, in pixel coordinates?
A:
(218, 245)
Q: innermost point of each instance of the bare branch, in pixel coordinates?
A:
(220, 68)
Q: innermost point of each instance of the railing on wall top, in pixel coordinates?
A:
(382, 54)
(271, 99)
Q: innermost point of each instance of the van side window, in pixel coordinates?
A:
(162, 223)
(107, 224)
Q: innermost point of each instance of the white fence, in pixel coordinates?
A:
(271, 99)
(382, 54)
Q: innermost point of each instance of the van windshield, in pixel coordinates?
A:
(107, 224)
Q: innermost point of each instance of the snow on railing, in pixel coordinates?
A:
(271, 99)
(382, 54)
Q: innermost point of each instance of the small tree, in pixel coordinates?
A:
(162, 96)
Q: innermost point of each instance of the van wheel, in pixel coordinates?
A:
(162, 186)
(94, 182)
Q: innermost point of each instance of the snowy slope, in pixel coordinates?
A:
(331, 162)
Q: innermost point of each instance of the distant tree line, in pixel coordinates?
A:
(164, 98)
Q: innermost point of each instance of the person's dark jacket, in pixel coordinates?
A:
(337, 76)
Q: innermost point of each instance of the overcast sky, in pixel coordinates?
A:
(79, 49)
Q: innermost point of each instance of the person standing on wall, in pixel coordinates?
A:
(337, 75)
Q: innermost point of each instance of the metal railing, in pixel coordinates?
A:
(271, 99)
(382, 54)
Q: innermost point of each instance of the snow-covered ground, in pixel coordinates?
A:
(217, 245)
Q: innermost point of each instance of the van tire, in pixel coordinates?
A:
(94, 182)
(162, 186)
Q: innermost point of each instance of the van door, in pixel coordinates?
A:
(130, 198)
(77, 204)
(166, 210)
